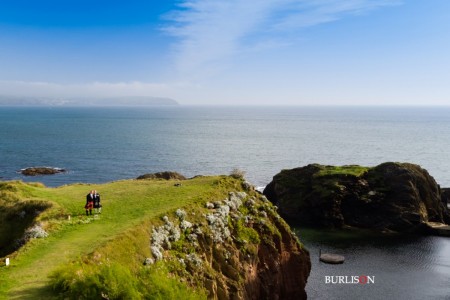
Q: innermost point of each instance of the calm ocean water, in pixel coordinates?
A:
(104, 144)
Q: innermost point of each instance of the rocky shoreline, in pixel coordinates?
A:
(390, 197)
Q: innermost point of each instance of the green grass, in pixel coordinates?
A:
(127, 205)
(353, 170)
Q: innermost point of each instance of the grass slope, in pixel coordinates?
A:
(126, 204)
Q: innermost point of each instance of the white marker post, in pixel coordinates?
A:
(68, 217)
(7, 261)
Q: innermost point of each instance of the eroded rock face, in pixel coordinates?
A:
(445, 197)
(282, 269)
(391, 196)
(240, 248)
(34, 171)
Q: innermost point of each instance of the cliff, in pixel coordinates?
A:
(210, 238)
(239, 248)
(390, 197)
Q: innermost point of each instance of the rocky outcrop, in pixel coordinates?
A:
(34, 171)
(445, 197)
(391, 196)
(239, 249)
(167, 175)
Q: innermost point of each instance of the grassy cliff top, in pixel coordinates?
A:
(353, 170)
(127, 205)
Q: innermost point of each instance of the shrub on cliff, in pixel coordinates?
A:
(237, 173)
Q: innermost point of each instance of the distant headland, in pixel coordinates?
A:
(87, 101)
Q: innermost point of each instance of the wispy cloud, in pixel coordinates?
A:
(211, 31)
(300, 14)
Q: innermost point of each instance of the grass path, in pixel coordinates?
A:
(125, 204)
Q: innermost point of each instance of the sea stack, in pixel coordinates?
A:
(397, 197)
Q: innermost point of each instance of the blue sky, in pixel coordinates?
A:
(292, 52)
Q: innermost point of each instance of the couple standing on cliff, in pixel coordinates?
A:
(93, 202)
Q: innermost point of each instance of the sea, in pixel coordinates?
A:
(102, 144)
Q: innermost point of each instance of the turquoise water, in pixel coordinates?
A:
(105, 144)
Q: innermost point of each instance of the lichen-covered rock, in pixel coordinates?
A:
(237, 251)
(234, 200)
(35, 232)
(157, 252)
(218, 224)
(181, 214)
(247, 186)
(391, 196)
(185, 225)
(194, 260)
(148, 261)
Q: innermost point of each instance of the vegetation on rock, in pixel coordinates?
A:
(167, 175)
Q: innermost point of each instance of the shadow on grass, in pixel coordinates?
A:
(14, 221)
(40, 292)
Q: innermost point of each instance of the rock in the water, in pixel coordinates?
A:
(33, 171)
(330, 258)
(391, 196)
(167, 175)
(439, 229)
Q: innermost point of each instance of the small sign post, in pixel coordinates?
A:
(7, 261)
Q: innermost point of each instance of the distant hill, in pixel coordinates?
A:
(107, 101)
(139, 101)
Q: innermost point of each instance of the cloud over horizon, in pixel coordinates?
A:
(210, 32)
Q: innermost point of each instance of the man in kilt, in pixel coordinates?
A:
(89, 202)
